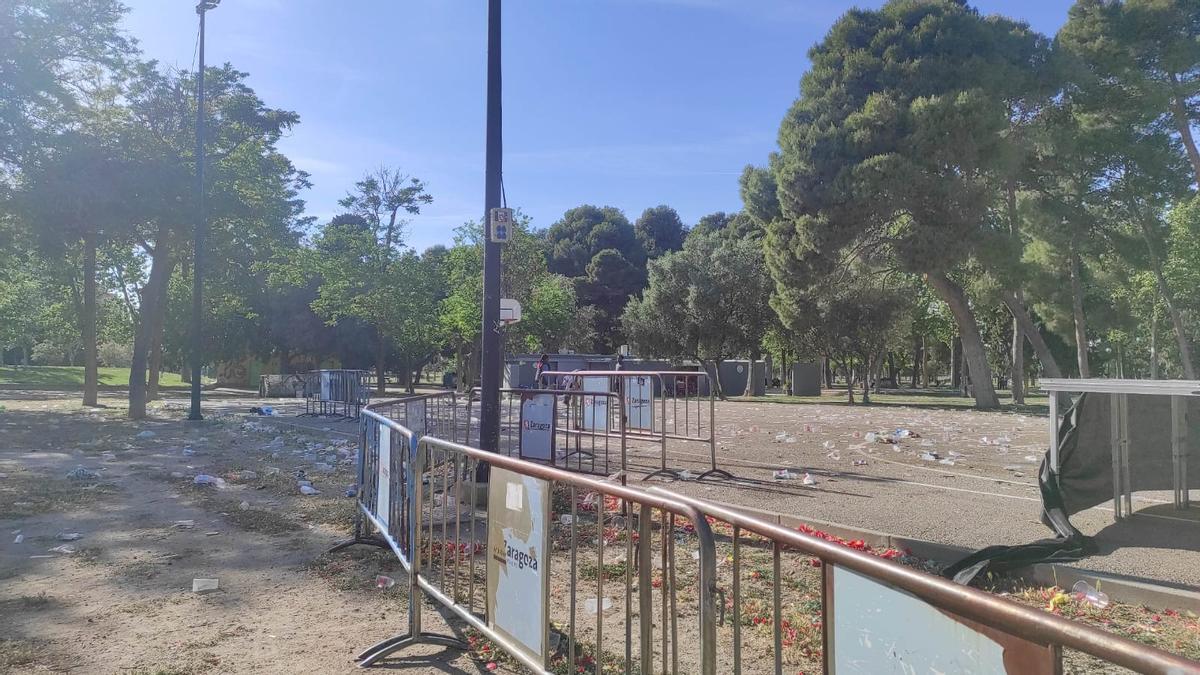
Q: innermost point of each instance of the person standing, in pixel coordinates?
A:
(542, 365)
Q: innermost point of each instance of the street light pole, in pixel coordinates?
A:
(489, 413)
(201, 227)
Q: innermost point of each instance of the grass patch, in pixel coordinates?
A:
(72, 376)
(260, 521)
(25, 493)
(355, 569)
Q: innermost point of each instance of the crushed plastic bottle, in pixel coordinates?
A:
(783, 474)
(1082, 591)
(384, 582)
(205, 479)
(870, 437)
(68, 536)
(929, 456)
(808, 479)
(309, 490)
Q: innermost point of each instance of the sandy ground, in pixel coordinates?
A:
(988, 495)
(123, 601)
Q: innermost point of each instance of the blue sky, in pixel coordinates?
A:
(628, 103)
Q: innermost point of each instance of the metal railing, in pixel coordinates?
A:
(335, 393)
(650, 581)
(657, 406)
(587, 432)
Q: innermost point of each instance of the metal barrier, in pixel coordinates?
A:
(335, 393)
(380, 456)
(576, 430)
(657, 406)
(691, 586)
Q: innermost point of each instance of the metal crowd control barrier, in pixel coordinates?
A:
(564, 572)
(576, 430)
(657, 406)
(377, 447)
(335, 393)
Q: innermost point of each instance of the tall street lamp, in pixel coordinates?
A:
(201, 225)
(489, 409)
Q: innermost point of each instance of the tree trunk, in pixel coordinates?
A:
(716, 380)
(1017, 371)
(972, 343)
(158, 320)
(1183, 125)
(1081, 342)
(91, 379)
(380, 359)
(849, 372)
(918, 344)
(955, 362)
(1016, 307)
(1154, 341)
(1185, 349)
(153, 293)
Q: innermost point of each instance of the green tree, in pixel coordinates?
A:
(1144, 61)
(708, 302)
(46, 48)
(660, 230)
(891, 149)
(601, 253)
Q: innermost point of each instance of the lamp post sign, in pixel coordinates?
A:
(500, 225)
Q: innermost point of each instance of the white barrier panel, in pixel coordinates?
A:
(518, 543)
(537, 427)
(639, 408)
(595, 415)
(384, 491)
(877, 629)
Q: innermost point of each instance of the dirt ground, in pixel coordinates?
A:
(120, 599)
(122, 602)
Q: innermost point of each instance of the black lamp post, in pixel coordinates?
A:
(489, 417)
(201, 228)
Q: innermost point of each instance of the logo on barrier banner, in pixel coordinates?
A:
(639, 411)
(537, 427)
(518, 545)
(383, 494)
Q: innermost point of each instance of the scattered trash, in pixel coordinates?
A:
(3, 475)
(927, 442)
(203, 586)
(905, 433)
(955, 455)
(205, 479)
(686, 475)
(808, 428)
(828, 445)
(65, 549)
(309, 490)
(272, 470)
(247, 475)
(591, 605)
(108, 456)
(780, 437)
(147, 434)
(1013, 467)
(211, 534)
(352, 491)
(1085, 592)
(20, 538)
(302, 483)
(68, 536)
(244, 506)
(860, 462)
(870, 437)
(947, 461)
(1033, 459)
(808, 480)
(184, 524)
(188, 452)
(176, 474)
(929, 456)
(80, 473)
(382, 582)
(784, 474)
